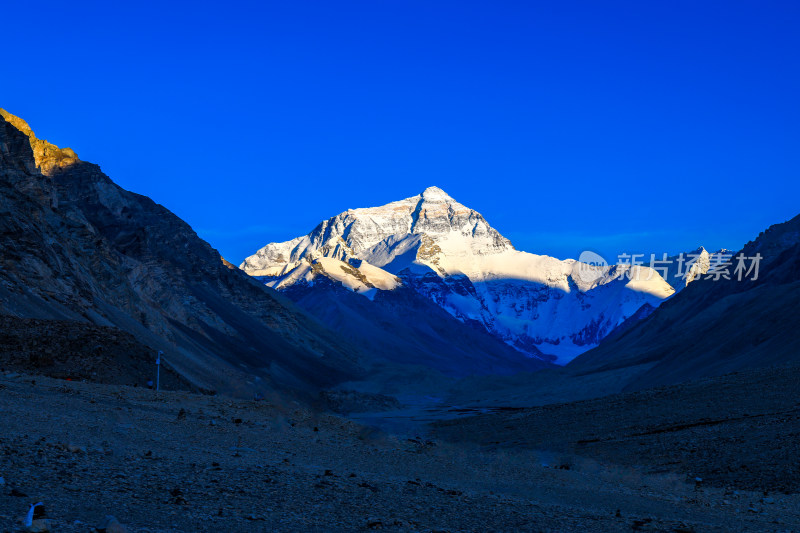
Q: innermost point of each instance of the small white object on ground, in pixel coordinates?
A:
(29, 516)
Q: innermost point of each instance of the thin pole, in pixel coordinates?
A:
(158, 371)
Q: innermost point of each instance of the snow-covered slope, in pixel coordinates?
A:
(450, 254)
(360, 277)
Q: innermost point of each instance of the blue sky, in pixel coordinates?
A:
(610, 126)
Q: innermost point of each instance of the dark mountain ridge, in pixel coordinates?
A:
(75, 246)
(401, 328)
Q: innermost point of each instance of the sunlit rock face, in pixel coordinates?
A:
(691, 266)
(48, 157)
(546, 307)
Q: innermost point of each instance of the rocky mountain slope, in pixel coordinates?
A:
(545, 307)
(75, 246)
(73, 350)
(415, 344)
(716, 326)
(711, 328)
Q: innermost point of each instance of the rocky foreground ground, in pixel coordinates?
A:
(739, 431)
(178, 461)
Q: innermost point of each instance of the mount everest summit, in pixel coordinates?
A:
(547, 308)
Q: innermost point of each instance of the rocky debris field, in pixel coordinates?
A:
(80, 351)
(740, 431)
(178, 461)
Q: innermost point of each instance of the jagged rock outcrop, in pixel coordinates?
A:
(75, 246)
(47, 156)
(449, 253)
(685, 268)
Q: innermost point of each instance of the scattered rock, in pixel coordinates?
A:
(366, 485)
(177, 494)
(374, 523)
(40, 525)
(358, 402)
(111, 525)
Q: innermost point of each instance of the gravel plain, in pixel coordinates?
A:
(180, 461)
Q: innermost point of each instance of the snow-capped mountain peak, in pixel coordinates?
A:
(435, 194)
(424, 225)
(449, 253)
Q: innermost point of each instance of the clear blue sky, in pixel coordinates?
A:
(613, 126)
